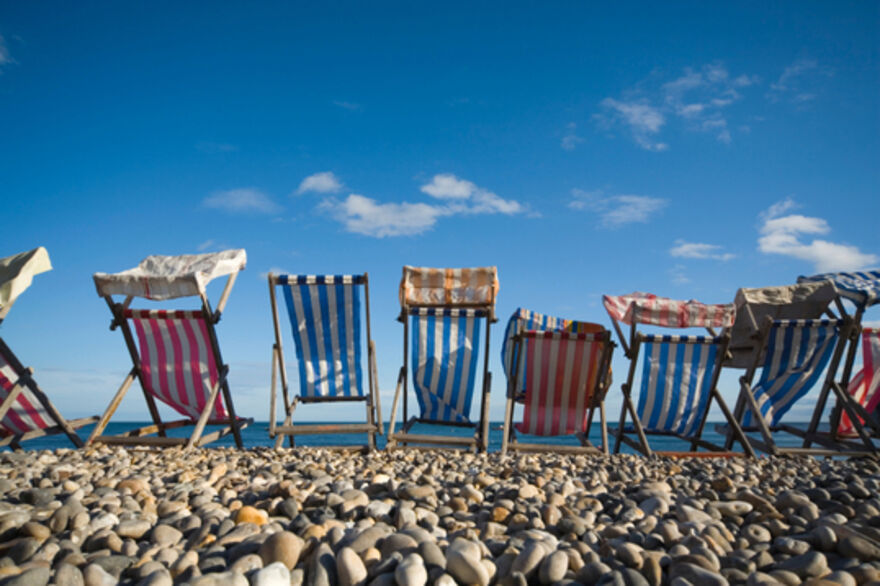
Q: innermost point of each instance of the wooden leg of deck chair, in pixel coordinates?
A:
(59, 419)
(766, 435)
(846, 401)
(619, 435)
(206, 413)
(111, 408)
(643, 439)
(604, 429)
(371, 435)
(508, 424)
(375, 389)
(400, 378)
(10, 399)
(233, 418)
(484, 413)
(734, 426)
(273, 390)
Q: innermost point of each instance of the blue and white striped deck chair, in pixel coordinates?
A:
(679, 374)
(443, 311)
(862, 289)
(790, 341)
(325, 314)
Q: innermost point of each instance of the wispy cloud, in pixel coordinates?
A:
(243, 200)
(570, 140)
(468, 198)
(363, 215)
(325, 182)
(684, 249)
(644, 121)
(783, 234)
(800, 82)
(617, 210)
(351, 106)
(455, 196)
(696, 99)
(678, 275)
(216, 147)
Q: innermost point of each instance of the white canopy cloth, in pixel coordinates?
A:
(17, 272)
(160, 277)
(449, 287)
(862, 287)
(753, 306)
(670, 313)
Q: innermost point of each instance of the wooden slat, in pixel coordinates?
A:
(116, 440)
(324, 428)
(433, 439)
(522, 447)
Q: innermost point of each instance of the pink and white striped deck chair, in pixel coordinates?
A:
(679, 376)
(864, 387)
(175, 353)
(25, 410)
(557, 370)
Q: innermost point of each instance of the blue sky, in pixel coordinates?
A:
(686, 150)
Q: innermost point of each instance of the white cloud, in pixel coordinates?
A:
(244, 200)
(363, 215)
(783, 235)
(570, 140)
(643, 120)
(799, 82)
(678, 276)
(686, 249)
(617, 210)
(5, 58)
(325, 182)
(697, 98)
(466, 197)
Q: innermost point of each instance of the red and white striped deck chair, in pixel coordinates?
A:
(864, 387)
(25, 410)
(557, 370)
(175, 353)
(679, 378)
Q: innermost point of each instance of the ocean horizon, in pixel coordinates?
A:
(257, 435)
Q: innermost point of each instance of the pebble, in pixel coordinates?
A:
(411, 571)
(275, 574)
(283, 547)
(350, 570)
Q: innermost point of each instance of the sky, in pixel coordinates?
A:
(685, 149)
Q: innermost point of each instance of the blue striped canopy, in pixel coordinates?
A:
(445, 345)
(677, 375)
(325, 315)
(861, 287)
(797, 353)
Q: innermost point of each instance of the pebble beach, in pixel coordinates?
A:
(266, 517)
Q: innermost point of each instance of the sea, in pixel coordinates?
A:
(257, 435)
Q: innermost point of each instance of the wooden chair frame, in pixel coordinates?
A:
(832, 445)
(509, 441)
(25, 380)
(279, 369)
(479, 442)
(144, 436)
(631, 351)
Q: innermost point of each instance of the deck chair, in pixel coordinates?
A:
(792, 336)
(864, 387)
(679, 378)
(557, 369)
(442, 311)
(325, 317)
(175, 354)
(25, 410)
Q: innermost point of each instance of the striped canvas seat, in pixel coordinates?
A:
(523, 320)
(860, 287)
(27, 413)
(677, 375)
(646, 308)
(562, 370)
(865, 385)
(177, 360)
(445, 345)
(325, 316)
(797, 351)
